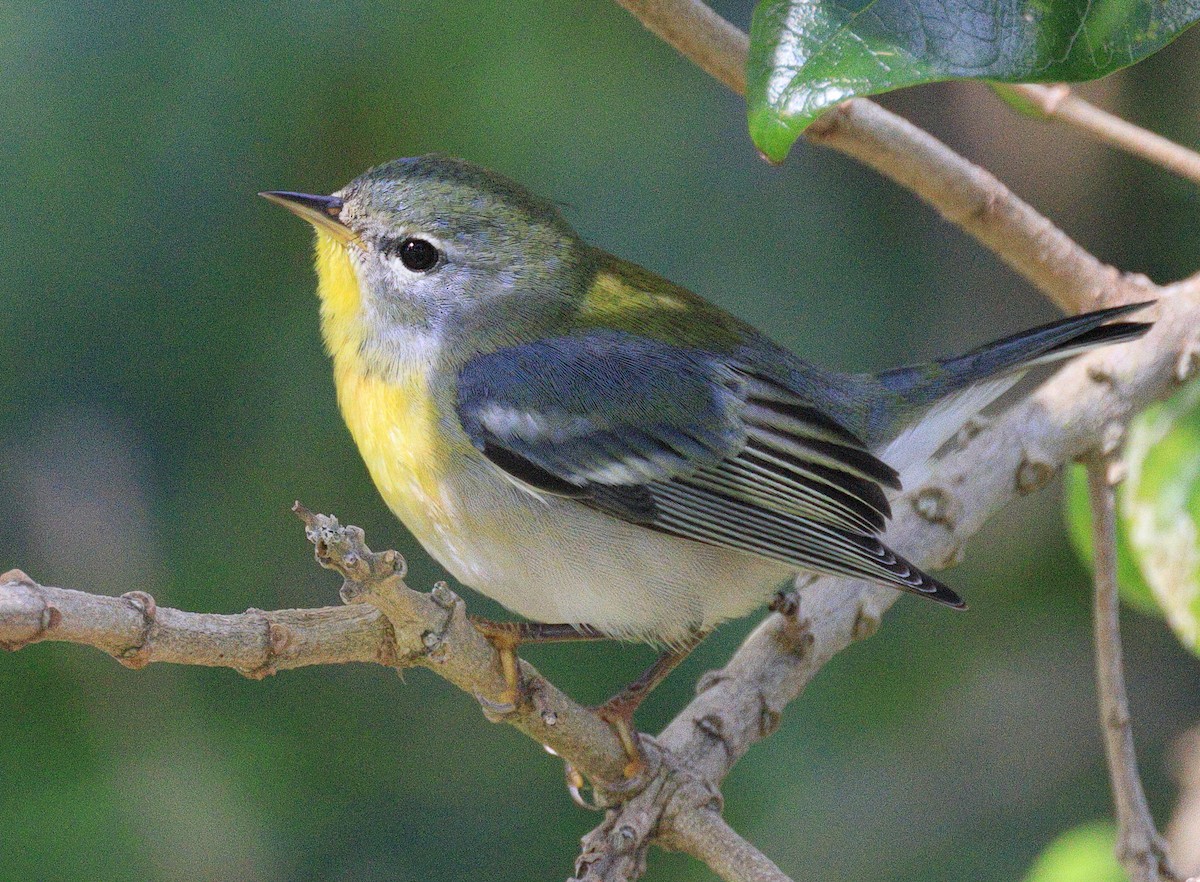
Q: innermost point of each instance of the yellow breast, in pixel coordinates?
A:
(395, 426)
(393, 420)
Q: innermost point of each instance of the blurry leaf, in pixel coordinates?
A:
(1158, 509)
(807, 55)
(1085, 854)
(1018, 102)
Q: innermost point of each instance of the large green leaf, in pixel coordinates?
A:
(1085, 854)
(806, 55)
(1158, 507)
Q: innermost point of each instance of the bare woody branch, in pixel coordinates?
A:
(1059, 104)
(1140, 848)
(704, 834)
(700, 35)
(135, 631)
(964, 193)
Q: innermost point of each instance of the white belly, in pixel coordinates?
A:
(554, 560)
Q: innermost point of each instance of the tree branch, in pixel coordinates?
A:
(1140, 848)
(975, 200)
(964, 193)
(704, 834)
(135, 631)
(398, 627)
(1059, 104)
(700, 35)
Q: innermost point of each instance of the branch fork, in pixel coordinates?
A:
(433, 630)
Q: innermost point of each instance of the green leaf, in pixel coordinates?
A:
(807, 55)
(1159, 507)
(1158, 514)
(1085, 854)
(1018, 102)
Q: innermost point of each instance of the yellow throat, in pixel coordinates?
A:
(391, 415)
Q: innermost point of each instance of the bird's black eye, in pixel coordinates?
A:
(417, 255)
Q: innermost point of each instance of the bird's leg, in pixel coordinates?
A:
(618, 711)
(507, 636)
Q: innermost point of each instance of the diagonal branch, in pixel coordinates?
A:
(1059, 104)
(704, 834)
(700, 35)
(964, 193)
(1140, 848)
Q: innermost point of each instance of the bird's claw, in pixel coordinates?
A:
(630, 784)
(497, 710)
(575, 785)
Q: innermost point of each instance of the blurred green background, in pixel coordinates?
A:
(164, 397)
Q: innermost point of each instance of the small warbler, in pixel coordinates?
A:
(598, 449)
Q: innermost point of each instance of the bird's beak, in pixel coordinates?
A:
(323, 212)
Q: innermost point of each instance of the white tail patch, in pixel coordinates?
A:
(908, 452)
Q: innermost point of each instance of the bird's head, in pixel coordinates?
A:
(433, 245)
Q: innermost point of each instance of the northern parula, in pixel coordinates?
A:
(599, 449)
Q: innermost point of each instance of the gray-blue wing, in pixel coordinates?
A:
(690, 444)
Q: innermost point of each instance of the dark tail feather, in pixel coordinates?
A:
(930, 403)
(963, 385)
(1105, 335)
(1018, 353)
(1061, 339)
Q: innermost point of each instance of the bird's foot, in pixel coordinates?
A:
(618, 712)
(505, 637)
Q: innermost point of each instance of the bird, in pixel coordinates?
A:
(603, 452)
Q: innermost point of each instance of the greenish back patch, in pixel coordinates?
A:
(623, 296)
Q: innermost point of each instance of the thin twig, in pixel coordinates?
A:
(1060, 104)
(1140, 848)
(700, 35)
(433, 630)
(964, 193)
(975, 200)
